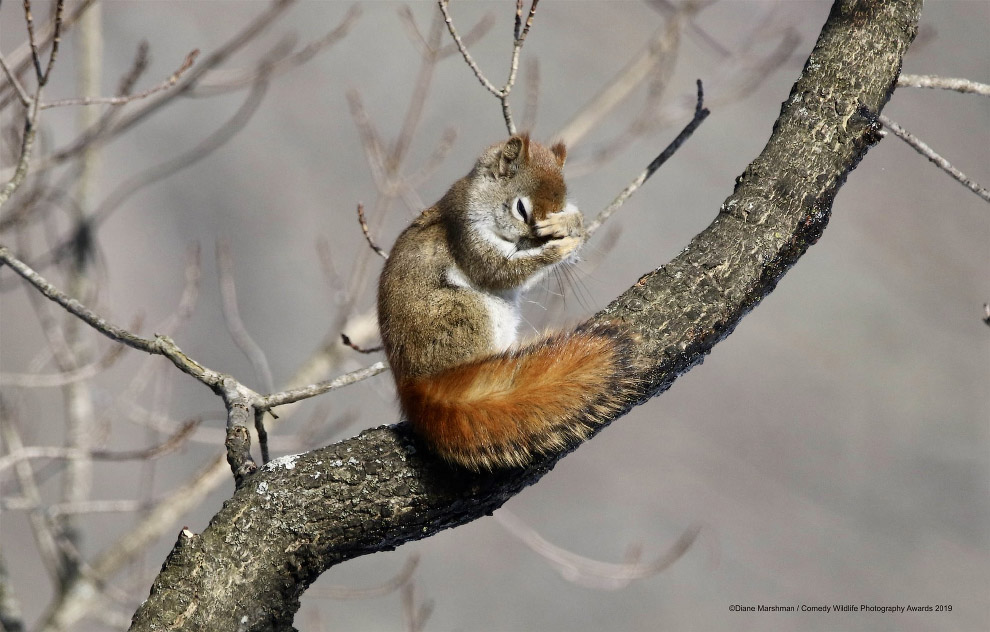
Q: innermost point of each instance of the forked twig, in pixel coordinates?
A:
(520, 31)
(22, 94)
(43, 75)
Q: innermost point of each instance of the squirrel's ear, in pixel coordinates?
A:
(560, 151)
(515, 151)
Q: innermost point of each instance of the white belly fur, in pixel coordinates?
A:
(503, 310)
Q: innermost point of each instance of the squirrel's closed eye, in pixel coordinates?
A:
(521, 206)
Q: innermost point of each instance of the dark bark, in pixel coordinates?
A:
(298, 516)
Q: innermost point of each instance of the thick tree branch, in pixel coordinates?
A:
(300, 515)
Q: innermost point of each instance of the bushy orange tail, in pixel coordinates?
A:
(502, 410)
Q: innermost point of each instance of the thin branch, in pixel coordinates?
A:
(45, 533)
(934, 157)
(367, 235)
(519, 36)
(56, 40)
(232, 316)
(374, 150)
(62, 378)
(660, 49)
(204, 148)
(166, 513)
(253, 29)
(415, 617)
(160, 345)
(586, 571)
(944, 83)
(241, 402)
(58, 452)
(21, 57)
(27, 144)
(412, 30)
(22, 94)
(222, 81)
(297, 394)
(461, 46)
(35, 55)
(700, 114)
(121, 100)
(431, 164)
(76, 507)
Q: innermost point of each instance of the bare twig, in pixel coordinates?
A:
(223, 385)
(371, 141)
(168, 511)
(123, 99)
(478, 73)
(44, 531)
(660, 50)
(22, 94)
(21, 58)
(700, 114)
(204, 148)
(27, 380)
(520, 37)
(944, 83)
(415, 616)
(364, 229)
(77, 507)
(588, 572)
(27, 144)
(296, 394)
(232, 316)
(929, 153)
(160, 345)
(520, 32)
(217, 81)
(190, 293)
(252, 30)
(431, 164)
(412, 30)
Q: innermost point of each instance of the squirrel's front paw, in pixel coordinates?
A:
(563, 247)
(567, 223)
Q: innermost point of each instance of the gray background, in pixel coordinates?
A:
(834, 448)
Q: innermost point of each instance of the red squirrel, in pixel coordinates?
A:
(448, 309)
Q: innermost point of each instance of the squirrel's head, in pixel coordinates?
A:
(520, 180)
